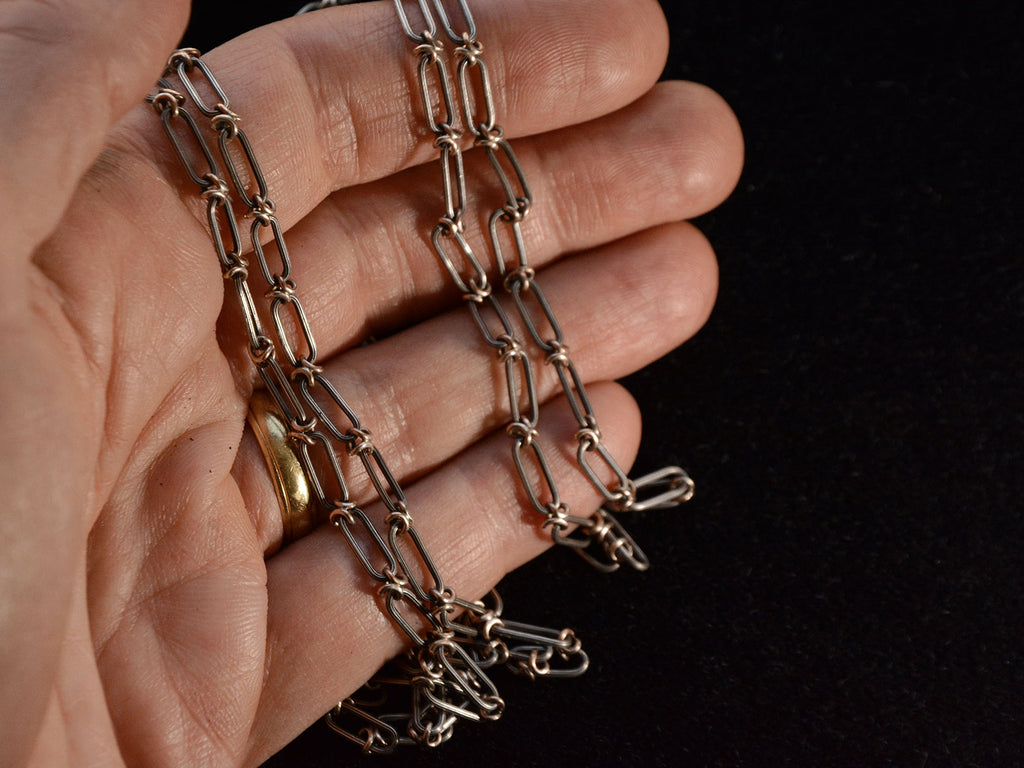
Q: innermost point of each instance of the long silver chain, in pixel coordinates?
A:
(455, 642)
(600, 538)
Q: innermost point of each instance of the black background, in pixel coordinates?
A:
(845, 589)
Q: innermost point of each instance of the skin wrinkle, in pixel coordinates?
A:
(141, 485)
(165, 626)
(71, 700)
(140, 141)
(309, 70)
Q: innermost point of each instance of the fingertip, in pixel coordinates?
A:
(693, 259)
(711, 140)
(584, 59)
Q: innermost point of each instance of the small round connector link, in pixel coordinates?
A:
(362, 441)
(216, 189)
(558, 517)
(399, 520)
(343, 511)
(239, 269)
(522, 432)
(432, 50)
(489, 138)
(470, 51)
(559, 355)
(167, 99)
(186, 57)
(510, 348)
(262, 350)
(307, 371)
(225, 121)
(588, 437)
(521, 277)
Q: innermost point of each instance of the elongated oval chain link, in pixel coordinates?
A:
(472, 81)
(444, 676)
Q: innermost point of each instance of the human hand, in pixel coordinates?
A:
(147, 615)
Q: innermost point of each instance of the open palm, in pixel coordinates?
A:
(149, 615)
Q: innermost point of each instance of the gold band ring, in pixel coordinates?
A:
(298, 507)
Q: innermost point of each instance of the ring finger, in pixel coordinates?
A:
(429, 392)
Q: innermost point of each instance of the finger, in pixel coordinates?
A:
(71, 68)
(674, 154)
(470, 514)
(431, 391)
(335, 104)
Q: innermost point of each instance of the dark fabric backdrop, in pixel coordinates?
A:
(845, 589)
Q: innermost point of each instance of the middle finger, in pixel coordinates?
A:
(673, 154)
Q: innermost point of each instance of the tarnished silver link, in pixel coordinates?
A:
(258, 340)
(622, 493)
(572, 385)
(346, 517)
(380, 474)
(171, 114)
(516, 360)
(518, 197)
(330, 489)
(397, 593)
(467, 677)
(453, 175)
(371, 734)
(481, 124)
(514, 223)
(320, 383)
(663, 489)
(184, 62)
(521, 283)
(525, 445)
(429, 26)
(229, 134)
(488, 304)
(281, 299)
(535, 661)
(450, 230)
(263, 218)
(429, 726)
(219, 217)
(278, 384)
(432, 66)
(406, 532)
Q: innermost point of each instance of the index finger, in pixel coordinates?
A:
(328, 97)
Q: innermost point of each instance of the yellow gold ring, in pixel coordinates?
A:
(298, 507)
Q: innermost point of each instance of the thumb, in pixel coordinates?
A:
(70, 68)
